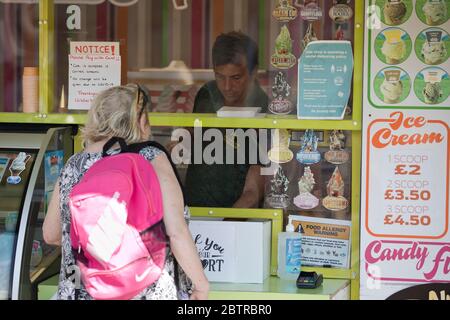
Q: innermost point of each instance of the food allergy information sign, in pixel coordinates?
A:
(93, 67)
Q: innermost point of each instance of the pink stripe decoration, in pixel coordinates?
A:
(9, 59)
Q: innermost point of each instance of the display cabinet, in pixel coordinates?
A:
(335, 278)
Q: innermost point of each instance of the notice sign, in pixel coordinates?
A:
(325, 242)
(93, 67)
(325, 72)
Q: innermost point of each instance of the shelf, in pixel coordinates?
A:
(209, 120)
(272, 289)
(278, 289)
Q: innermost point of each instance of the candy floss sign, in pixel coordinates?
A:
(406, 214)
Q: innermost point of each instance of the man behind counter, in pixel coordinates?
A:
(235, 63)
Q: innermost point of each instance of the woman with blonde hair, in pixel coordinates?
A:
(122, 112)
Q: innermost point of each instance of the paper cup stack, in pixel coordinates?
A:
(30, 87)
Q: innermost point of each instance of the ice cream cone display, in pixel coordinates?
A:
(432, 85)
(434, 49)
(335, 201)
(392, 87)
(337, 154)
(278, 197)
(283, 57)
(17, 167)
(285, 11)
(310, 36)
(394, 12)
(306, 200)
(435, 12)
(280, 152)
(308, 153)
(281, 90)
(394, 48)
(432, 92)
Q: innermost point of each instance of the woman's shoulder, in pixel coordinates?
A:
(150, 152)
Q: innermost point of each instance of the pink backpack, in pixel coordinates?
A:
(117, 228)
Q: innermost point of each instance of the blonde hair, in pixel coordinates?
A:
(114, 113)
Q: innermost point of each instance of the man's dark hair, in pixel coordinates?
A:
(229, 48)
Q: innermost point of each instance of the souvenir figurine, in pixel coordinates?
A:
(305, 199)
(278, 197)
(281, 90)
(285, 11)
(337, 155)
(335, 200)
(308, 153)
(280, 152)
(283, 57)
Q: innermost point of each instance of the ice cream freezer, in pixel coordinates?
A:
(30, 163)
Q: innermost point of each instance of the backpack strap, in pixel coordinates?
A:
(111, 142)
(137, 147)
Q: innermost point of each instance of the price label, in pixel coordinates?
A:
(407, 178)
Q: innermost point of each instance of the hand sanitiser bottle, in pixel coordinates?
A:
(289, 253)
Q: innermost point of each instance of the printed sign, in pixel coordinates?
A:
(216, 247)
(93, 67)
(53, 165)
(325, 242)
(325, 72)
(3, 165)
(410, 199)
(412, 47)
(405, 237)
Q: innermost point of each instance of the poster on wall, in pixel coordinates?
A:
(325, 70)
(93, 67)
(405, 239)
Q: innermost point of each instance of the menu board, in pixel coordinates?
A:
(405, 239)
(408, 50)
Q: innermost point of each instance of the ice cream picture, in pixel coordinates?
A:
(432, 92)
(394, 48)
(434, 50)
(16, 168)
(394, 11)
(431, 85)
(435, 12)
(392, 87)
(283, 57)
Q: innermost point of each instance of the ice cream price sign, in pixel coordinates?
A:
(407, 177)
(93, 67)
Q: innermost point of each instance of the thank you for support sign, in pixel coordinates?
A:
(93, 67)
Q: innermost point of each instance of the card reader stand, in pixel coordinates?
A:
(309, 280)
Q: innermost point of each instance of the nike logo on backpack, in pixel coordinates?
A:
(140, 278)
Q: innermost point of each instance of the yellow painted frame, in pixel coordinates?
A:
(354, 124)
(275, 215)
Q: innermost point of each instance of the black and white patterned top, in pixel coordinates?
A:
(163, 289)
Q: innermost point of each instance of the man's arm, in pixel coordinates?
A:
(253, 191)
